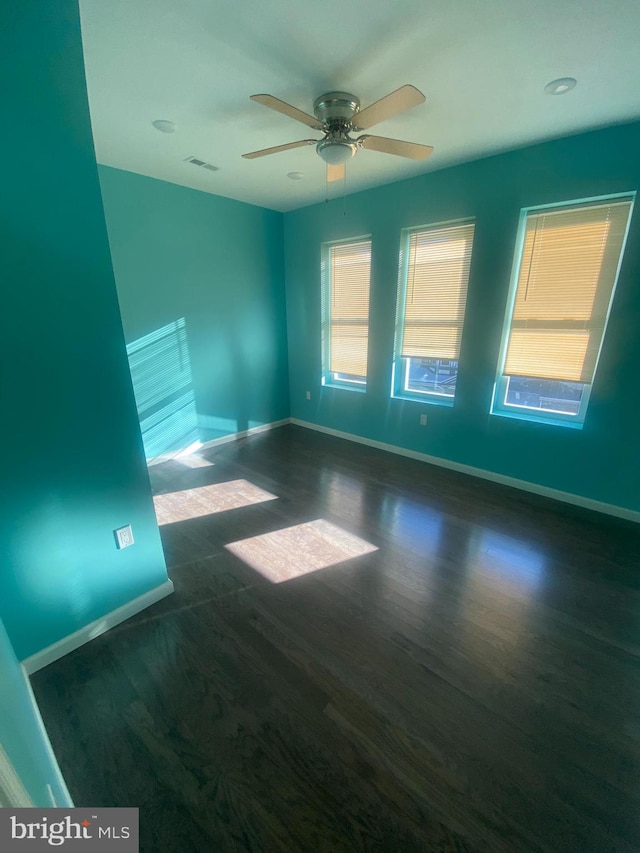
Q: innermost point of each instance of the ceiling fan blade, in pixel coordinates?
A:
(413, 150)
(288, 110)
(335, 173)
(404, 98)
(277, 148)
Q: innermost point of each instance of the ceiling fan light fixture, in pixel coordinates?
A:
(337, 116)
(336, 152)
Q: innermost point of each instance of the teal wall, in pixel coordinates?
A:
(72, 456)
(21, 733)
(601, 461)
(212, 266)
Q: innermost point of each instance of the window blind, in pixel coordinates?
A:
(349, 275)
(568, 270)
(436, 291)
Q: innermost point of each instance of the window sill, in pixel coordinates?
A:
(359, 389)
(447, 402)
(538, 419)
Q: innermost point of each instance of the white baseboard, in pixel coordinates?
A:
(214, 442)
(13, 794)
(174, 454)
(95, 629)
(64, 800)
(234, 436)
(523, 485)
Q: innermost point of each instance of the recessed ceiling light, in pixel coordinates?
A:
(295, 176)
(561, 86)
(164, 126)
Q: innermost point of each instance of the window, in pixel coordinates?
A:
(565, 273)
(346, 272)
(432, 293)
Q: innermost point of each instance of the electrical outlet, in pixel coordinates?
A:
(423, 420)
(124, 537)
(308, 395)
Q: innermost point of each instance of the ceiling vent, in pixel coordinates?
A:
(197, 162)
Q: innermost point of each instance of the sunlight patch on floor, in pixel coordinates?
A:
(193, 461)
(295, 551)
(207, 500)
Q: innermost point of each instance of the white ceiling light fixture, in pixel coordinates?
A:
(336, 152)
(164, 125)
(561, 86)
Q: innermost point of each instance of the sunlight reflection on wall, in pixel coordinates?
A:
(162, 383)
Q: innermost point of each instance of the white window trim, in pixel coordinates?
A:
(530, 413)
(498, 405)
(410, 391)
(400, 365)
(329, 377)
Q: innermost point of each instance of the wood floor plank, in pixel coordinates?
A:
(471, 685)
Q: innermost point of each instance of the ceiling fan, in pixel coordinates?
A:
(337, 115)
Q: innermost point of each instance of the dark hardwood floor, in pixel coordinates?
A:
(471, 685)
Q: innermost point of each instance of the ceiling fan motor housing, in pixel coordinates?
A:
(336, 111)
(336, 108)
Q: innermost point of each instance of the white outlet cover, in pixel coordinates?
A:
(308, 395)
(423, 420)
(124, 536)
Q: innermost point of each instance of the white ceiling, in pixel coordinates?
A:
(482, 66)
